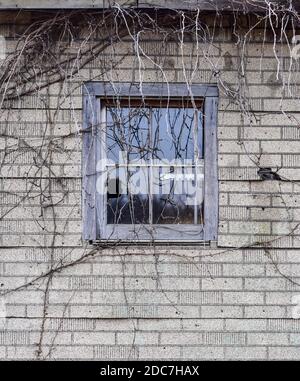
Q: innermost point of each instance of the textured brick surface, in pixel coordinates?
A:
(232, 300)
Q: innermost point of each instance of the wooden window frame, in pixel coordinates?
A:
(93, 205)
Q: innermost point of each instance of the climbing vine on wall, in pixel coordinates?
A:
(51, 57)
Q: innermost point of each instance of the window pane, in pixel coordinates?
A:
(178, 197)
(172, 209)
(176, 134)
(127, 196)
(160, 178)
(127, 131)
(173, 134)
(128, 209)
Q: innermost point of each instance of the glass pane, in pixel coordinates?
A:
(175, 133)
(178, 197)
(167, 189)
(172, 209)
(127, 132)
(127, 196)
(128, 209)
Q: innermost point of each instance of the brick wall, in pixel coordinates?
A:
(231, 300)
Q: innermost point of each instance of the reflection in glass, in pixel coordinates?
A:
(168, 138)
(178, 197)
(172, 209)
(128, 209)
(125, 202)
(127, 131)
(173, 133)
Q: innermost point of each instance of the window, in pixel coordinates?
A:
(149, 162)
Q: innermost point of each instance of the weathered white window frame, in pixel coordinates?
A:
(93, 204)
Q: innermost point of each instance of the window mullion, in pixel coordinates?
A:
(103, 156)
(150, 185)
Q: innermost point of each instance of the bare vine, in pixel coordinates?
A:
(55, 49)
